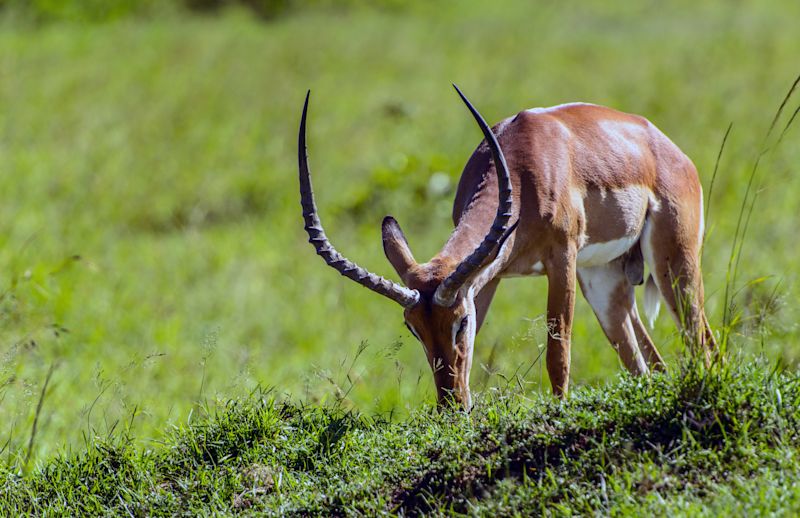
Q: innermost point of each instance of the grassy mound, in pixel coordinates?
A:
(151, 245)
(687, 443)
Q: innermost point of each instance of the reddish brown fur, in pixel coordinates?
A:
(551, 153)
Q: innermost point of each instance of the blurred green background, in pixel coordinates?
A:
(151, 244)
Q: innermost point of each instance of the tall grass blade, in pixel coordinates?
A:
(39, 406)
(714, 174)
(788, 125)
(745, 213)
(782, 106)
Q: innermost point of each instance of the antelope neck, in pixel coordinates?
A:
(474, 222)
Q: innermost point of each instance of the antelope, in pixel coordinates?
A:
(594, 194)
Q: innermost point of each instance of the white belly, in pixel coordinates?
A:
(617, 215)
(597, 254)
(613, 213)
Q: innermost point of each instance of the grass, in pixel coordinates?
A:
(153, 263)
(694, 443)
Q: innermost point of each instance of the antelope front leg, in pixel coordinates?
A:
(560, 305)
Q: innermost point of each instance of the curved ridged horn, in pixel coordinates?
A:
(446, 292)
(316, 235)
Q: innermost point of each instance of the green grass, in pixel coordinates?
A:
(692, 444)
(151, 245)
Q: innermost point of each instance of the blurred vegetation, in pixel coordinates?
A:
(94, 11)
(151, 245)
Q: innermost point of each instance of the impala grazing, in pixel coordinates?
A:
(573, 191)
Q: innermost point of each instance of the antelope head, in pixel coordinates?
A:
(438, 296)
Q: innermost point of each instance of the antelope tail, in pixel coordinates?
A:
(652, 301)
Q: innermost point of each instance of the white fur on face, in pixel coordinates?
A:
(468, 306)
(469, 340)
(454, 332)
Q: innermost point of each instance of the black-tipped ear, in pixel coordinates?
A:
(396, 247)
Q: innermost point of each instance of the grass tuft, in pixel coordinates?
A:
(667, 444)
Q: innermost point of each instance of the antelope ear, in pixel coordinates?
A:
(396, 247)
